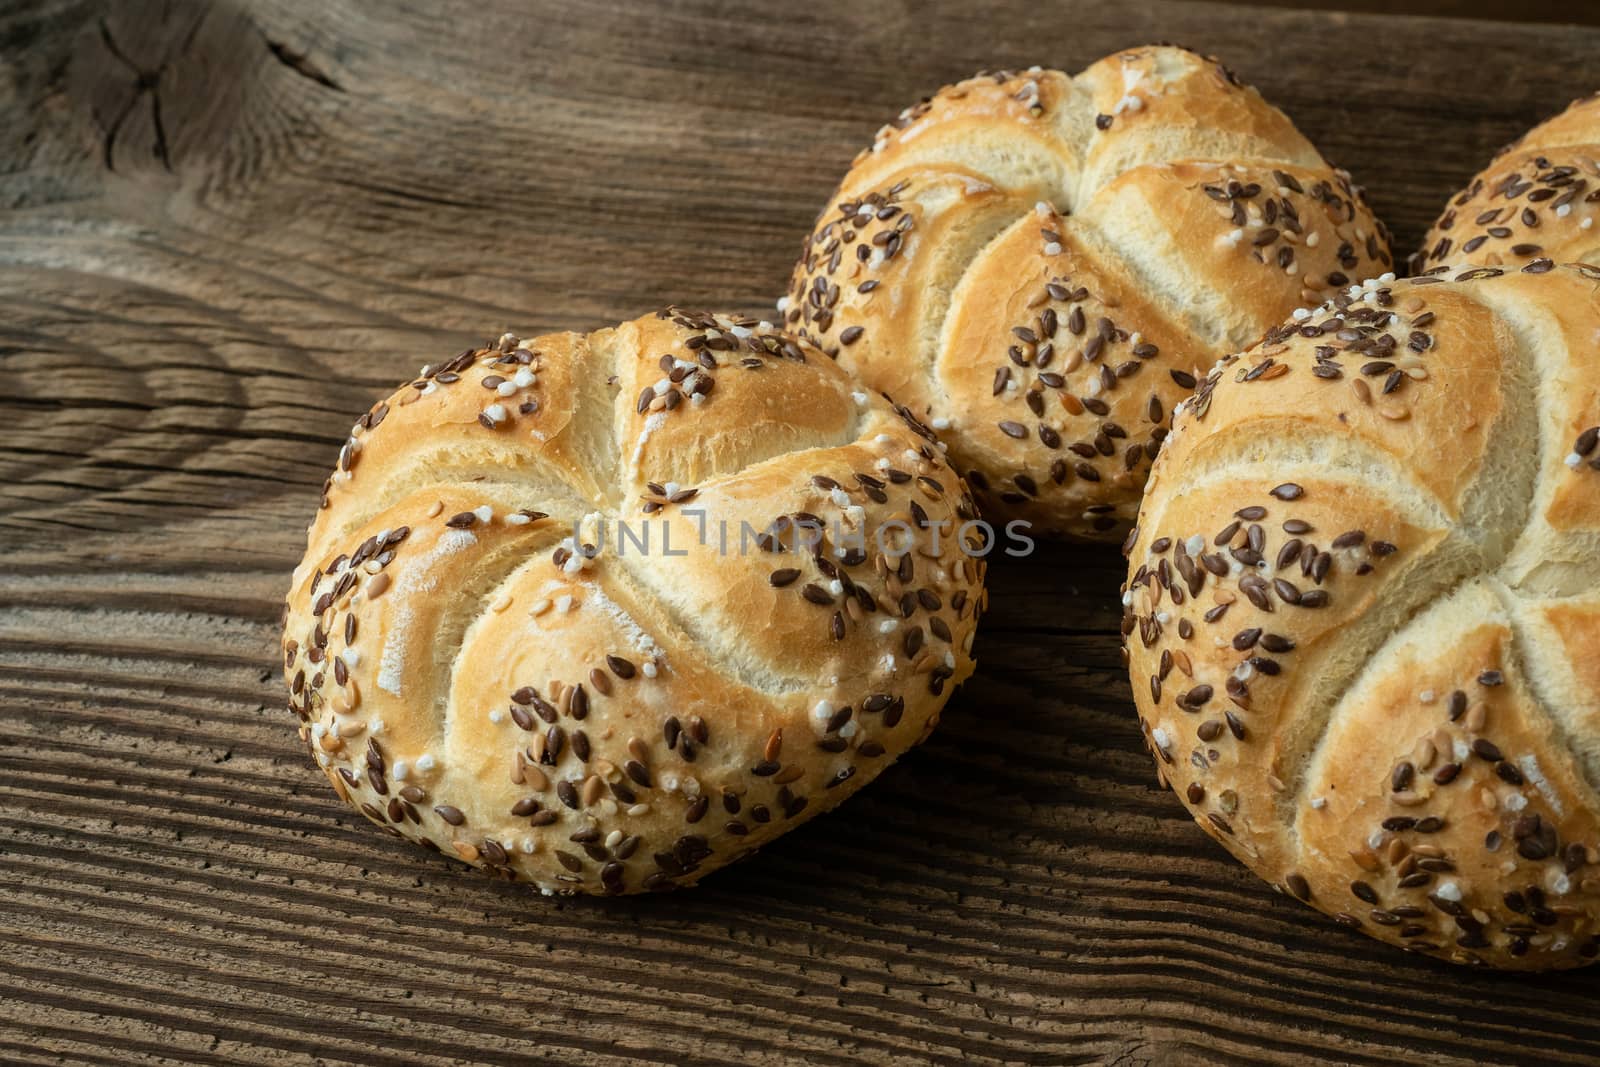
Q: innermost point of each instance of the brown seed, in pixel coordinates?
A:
(816, 594)
(1403, 775)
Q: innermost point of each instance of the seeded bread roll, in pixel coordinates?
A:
(484, 660)
(1539, 199)
(1362, 618)
(1041, 266)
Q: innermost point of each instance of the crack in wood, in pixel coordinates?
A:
(144, 82)
(301, 65)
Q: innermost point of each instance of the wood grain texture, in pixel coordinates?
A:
(229, 226)
(1558, 11)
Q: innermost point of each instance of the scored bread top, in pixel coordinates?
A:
(1362, 617)
(1041, 266)
(1538, 199)
(558, 616)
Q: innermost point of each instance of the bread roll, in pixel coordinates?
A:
(1538, 199)
(1040, 266)
(1363, 617)
(485, 661)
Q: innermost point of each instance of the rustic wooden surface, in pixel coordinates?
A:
(227, 226)
(1559, 11)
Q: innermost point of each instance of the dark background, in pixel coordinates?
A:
(1574, 12)
(228, 226)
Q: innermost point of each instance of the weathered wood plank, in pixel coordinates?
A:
(228, 226)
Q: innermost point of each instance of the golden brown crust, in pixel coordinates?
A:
(1059, 329)
(1153, 178)
(1538, 199)
(1362, 621)
(485, 661)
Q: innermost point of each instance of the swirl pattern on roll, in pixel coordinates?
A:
(605, 612)
(1041, 266)
(1362, 619)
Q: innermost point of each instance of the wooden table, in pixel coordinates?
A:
(230, 225)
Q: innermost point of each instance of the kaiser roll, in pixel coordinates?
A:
(603, 613)
(1538, 199)
(1363, 617)
(1041, 266)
